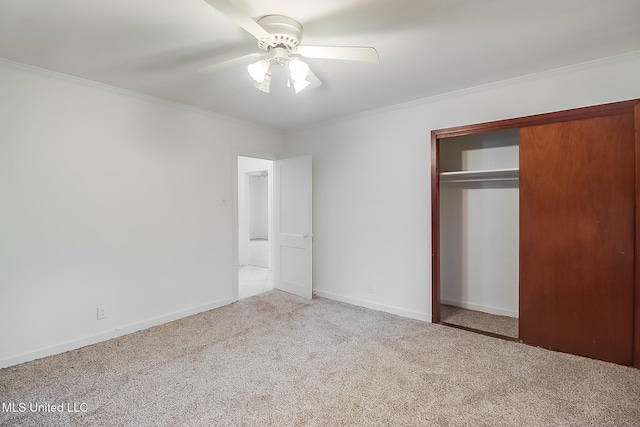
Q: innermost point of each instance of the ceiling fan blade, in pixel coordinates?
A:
(228, 63)
(237, 15)
(349, 53)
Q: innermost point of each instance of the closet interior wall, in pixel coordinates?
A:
(479, 212)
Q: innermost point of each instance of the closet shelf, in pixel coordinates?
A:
(481, 175)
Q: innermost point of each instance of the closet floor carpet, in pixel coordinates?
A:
(500, 325)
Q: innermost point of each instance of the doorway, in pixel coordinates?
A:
(255, 190)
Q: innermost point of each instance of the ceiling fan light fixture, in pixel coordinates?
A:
(259, 70)
(298, 72)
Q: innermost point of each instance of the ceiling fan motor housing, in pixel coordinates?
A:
(285, 32)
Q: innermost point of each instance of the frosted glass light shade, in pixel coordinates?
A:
(265, 84)
(258, 70)
(298, 72)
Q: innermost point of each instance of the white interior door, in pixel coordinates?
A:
(292, 226)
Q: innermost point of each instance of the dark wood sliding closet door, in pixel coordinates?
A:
(577, 237)
(636, 339)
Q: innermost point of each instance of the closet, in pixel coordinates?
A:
(479, 217)
(536, 218)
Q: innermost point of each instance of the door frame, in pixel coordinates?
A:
(439, 136)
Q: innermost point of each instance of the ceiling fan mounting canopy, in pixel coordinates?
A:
(284, 32)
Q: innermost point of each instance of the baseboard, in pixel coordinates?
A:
(104, 336)
(482, 308)
(375, 306)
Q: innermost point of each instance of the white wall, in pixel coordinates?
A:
(110, 198)
(258, 207)
(372, 217)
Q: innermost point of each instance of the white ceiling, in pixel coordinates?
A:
(426, 47)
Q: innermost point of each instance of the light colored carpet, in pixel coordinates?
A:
(501, 325)
(275, 359)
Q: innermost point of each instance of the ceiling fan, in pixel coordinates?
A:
(279, 36)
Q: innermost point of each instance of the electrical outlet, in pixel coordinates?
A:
(370, 288)
(102, 312)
